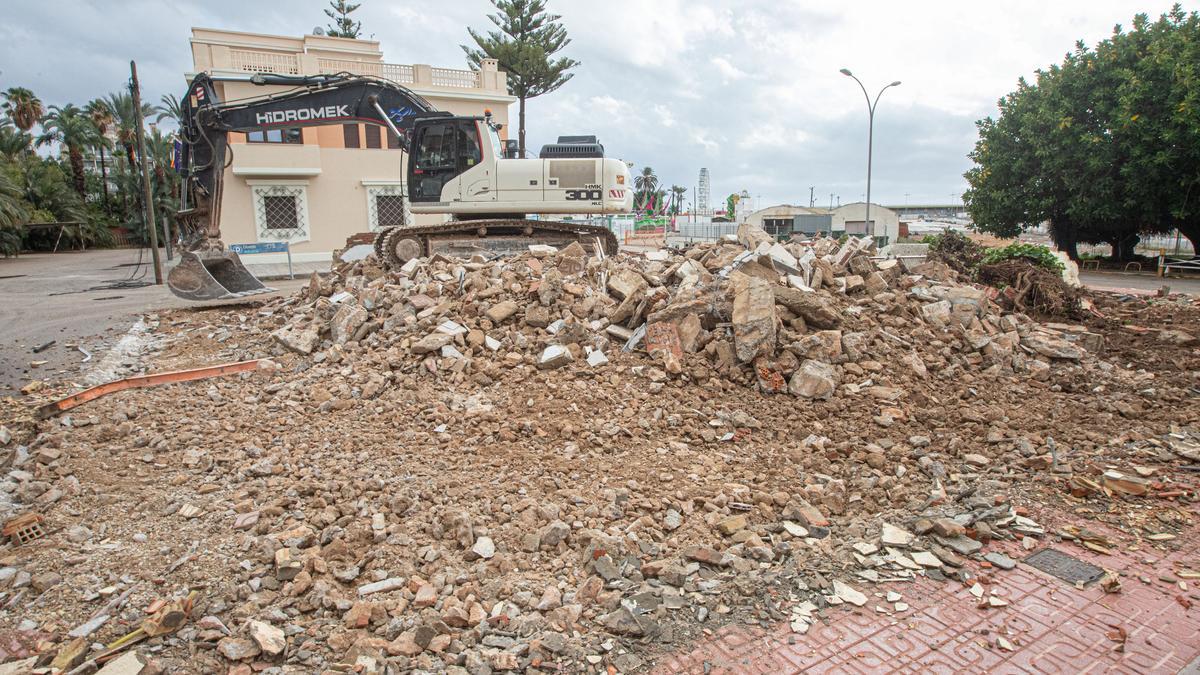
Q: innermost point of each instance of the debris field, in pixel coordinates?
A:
(566, 462)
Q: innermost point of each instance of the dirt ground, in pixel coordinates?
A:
(593, 517)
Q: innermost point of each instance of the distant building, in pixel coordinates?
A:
(851, 219)
(316, 186)
(929, 211)
(779, 220)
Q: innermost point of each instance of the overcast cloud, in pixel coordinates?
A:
(749, 89)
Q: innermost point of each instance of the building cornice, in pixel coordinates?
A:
(251, 171)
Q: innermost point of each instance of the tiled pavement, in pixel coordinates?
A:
(1052, 626)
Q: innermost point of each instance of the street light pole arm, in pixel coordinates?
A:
(877, 95)
(870, 108)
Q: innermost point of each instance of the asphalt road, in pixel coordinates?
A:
(1118, 281)
(73, 298)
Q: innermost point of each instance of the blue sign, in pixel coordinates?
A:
(260, 247)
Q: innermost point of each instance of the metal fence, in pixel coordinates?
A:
(690, 233)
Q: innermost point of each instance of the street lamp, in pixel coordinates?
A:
(870, 135)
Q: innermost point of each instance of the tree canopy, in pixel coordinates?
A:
(69, 185)
(1104, 147)
(73, 129)
(524, 46)
(343, 26)
(22, 107)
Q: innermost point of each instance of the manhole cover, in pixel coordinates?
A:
(1068, 568)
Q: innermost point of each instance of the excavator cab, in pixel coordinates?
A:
(442, 148)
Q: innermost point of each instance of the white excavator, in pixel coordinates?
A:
(456, 166)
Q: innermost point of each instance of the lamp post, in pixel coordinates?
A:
(870, 135)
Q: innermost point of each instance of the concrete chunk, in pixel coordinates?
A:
(753, 318)
(384, 586)
(431, 343)
(813, 379)
(501, 311)
(814, 308)
(554, 356)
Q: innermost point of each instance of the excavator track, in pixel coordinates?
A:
(396, 246)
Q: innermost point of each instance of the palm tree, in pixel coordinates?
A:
(165, 186)
(70, 127)
(12, 214)
(23, 107)
(50, 197)
(13, 141)
(121, 105)
(678, 193)
(645, 183)
(102, 118)
(169, 109)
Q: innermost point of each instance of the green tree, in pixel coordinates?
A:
(645, 183)
(678, 193)
(1158, 117)
(13, 141)
(164, 181)
(169, 109)
(22, 107)
(1102, 146)
(343, 26)
(524, 46)
(12, 214)
(102, 119)
(121, 105)
(72, 128)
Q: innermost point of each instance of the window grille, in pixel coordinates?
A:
(281, 212)
(387, 207)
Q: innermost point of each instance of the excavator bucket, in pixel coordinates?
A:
(213, 275)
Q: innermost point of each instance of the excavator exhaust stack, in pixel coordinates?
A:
(213, 275)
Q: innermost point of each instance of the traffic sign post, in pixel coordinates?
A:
(266, 247)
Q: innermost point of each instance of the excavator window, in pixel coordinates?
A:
(435, 148)
(469, 153)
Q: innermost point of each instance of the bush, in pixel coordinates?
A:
(1039, 256)
(956, 250)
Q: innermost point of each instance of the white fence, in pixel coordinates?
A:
(264, 62)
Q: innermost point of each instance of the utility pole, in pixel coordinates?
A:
(831, 201)
(147, 192)
(810, 195)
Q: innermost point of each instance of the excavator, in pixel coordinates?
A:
(457, 166)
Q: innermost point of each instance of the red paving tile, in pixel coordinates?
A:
(1053, 627)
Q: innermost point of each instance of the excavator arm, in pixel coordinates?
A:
(207, 271)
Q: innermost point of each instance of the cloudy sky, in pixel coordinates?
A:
(748, 88)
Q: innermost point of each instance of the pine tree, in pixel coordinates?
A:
(343, 25)
(525, 47)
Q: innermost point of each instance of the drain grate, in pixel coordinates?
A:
(1068, 568)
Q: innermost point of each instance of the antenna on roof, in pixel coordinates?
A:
(318, 31)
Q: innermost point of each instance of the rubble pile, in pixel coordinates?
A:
(559, 461)
(805, 320)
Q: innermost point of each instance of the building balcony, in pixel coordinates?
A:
(226, 52)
